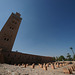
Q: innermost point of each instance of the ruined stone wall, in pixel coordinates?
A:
(19, 58)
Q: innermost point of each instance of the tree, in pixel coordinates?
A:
(74, 57)
(54, 59)
(61, 58)
(73, 53)
(69, 57)
(72, 50)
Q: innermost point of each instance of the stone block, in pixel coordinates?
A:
(22, 64)
(27, 65)
(67, 71)
(45, 67)
(57, 65)
(52, 66)
(41, 66)
(14, 64)
(18, 64)
(32, 66)
(47, 64)
(61, 65)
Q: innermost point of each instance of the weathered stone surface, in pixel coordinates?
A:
(61, 65)
(32, 66)
(41, 66)
(52, 66)
(18, 64)
(45, 67)
(47, 64)
(6, 69)
(14, 64)
(67, 71)
(57, 65)
(27, 65)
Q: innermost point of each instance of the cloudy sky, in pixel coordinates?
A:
(47, 27)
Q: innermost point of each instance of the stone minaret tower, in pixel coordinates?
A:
(9, 32)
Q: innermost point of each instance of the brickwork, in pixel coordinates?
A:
(19, 58)
(9, 32)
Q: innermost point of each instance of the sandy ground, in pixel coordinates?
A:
(6, 69)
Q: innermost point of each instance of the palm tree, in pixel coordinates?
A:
(72, 50)
(73, 53)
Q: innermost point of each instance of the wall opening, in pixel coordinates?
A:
(14, 22)
(6, 39)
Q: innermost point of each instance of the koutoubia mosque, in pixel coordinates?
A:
(7, 37)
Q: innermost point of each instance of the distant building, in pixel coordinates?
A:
(7, 38)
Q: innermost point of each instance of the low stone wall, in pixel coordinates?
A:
(1, 58)
(19, 58)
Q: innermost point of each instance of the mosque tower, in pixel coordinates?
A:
(9, 32)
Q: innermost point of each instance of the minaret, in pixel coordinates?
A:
(9, 32)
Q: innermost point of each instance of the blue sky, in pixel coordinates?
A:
(47, 27)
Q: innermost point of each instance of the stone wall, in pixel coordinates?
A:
(19, 58)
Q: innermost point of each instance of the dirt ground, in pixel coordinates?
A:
(6, 69)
